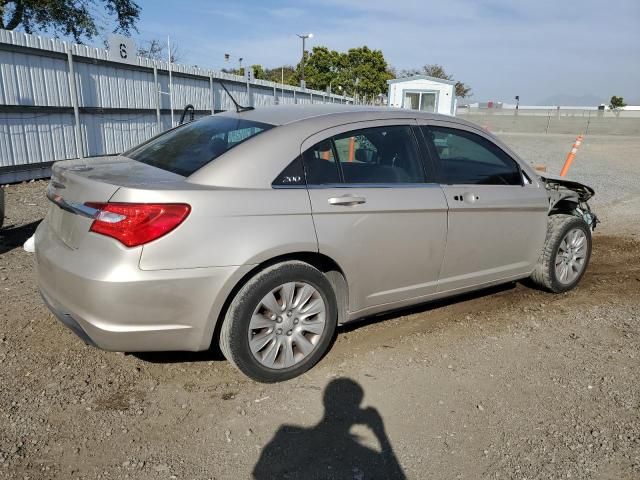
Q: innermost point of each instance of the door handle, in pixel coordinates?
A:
(470, 197)
(467, 197)
(347, 200)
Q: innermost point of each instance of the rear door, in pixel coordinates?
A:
(376, 210)
(497, 215)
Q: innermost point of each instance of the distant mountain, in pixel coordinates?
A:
(574, 100)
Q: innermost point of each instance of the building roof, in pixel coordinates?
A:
(421, 77)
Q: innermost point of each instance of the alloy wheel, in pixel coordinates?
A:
(287, 325)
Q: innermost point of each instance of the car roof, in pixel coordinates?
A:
(256, 162)
(287, 114)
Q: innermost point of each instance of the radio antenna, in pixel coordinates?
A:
(239, 108)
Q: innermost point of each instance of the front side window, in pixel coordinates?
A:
(378, 155)
(469, 159)
(189, 147)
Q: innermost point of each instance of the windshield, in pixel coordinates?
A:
(187, 148)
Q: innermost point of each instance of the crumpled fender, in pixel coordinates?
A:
(567, 196)
(582, 192)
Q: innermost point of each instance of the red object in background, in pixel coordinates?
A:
(489, 104)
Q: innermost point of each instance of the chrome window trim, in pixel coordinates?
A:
(359, 185)
(375, 185)
(287, 187)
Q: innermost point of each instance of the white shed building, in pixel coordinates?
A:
(425, 93)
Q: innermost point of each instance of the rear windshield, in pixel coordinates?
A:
(185, 149)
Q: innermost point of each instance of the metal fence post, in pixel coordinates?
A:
(171, 90)
(155, 80)
(73, 93)
(548, 121)
(213, 95)
(275, 95)
(295, 100)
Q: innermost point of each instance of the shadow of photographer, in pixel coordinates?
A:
(329, 449)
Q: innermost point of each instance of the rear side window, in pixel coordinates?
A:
(185, 149)
(469, 159)
(320, 164)
(378, 155)
(293, 175)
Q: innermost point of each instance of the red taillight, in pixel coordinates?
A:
(135, 224)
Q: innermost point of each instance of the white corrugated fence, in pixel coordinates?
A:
(104, 107)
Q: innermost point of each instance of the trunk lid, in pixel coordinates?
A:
(75, 182)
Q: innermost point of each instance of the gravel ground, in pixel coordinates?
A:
(506, 383)
(609, 164)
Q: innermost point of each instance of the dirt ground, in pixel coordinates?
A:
(506, 383)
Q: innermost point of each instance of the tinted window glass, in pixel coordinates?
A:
(379, 155)
(185, 149)
(320, 164)
(467, 158)
(292, 175)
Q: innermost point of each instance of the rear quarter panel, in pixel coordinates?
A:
(228, 226)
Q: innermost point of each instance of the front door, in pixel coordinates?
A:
(497, 220)
(374, 211)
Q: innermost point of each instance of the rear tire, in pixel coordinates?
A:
(565, 255)
(294, 337)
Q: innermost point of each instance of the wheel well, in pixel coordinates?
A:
(564, 206)
(325, 264)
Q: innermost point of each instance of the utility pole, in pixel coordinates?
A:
(170, 82)
(304, 38)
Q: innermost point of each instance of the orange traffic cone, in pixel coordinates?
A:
(571, 156)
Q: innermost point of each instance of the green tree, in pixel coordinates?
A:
(616, 103)
(366, 72)
(321, 67)
(73, 18)
(438, 71)
(360, 71)
(258, 71)
(284, 74)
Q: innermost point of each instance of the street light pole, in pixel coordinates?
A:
(304, 38)
(228, 56)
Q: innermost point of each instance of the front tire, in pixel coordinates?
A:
(565, 255)
(280, 323)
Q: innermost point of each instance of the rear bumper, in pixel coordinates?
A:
(116, 306)
(67, 320)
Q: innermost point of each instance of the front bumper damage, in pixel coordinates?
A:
(568, 196)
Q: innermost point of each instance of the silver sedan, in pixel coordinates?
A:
(262, 230)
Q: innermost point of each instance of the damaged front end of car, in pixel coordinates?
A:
(570, 197)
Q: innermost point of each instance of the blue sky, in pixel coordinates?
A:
(534, 48)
